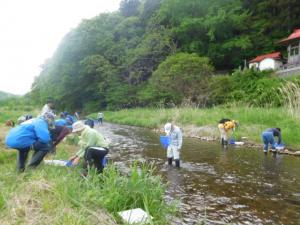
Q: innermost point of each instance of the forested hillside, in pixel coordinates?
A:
(5, 95)
(164, 52)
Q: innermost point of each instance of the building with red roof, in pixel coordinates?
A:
(293, 44)
(268, 61)
(275, 60)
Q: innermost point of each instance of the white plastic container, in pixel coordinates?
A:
(134, 216)
(56, 162)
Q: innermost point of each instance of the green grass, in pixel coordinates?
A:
(14, 112)
(252, 121)
(59, 195)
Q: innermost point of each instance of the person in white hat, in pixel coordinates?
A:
(93, 147)
(175, 135)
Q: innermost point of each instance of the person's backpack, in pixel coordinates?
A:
(224, 120)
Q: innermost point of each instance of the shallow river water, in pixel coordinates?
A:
(237, 185)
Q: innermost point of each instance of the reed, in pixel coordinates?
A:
(290, 92)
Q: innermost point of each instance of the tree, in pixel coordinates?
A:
(181, 77)
(129, 7)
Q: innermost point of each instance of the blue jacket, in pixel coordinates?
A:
(27, 133)
(60, 122)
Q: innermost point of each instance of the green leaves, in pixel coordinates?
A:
(181, 76)
(148, 52)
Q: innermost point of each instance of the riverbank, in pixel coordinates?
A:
(202, 123)
(59, 195)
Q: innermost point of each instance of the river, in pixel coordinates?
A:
(236, 185)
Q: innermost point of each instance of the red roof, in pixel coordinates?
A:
(293, 36)
(274, 55)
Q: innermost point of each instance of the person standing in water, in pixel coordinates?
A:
(175, 136)
(100, 117)
(226, 127)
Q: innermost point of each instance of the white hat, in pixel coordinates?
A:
(168, 127)
(78, 126)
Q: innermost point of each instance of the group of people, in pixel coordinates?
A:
(226, 128)
(43, 133)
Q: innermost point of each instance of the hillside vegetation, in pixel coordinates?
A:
(166, 52)
(5, 95)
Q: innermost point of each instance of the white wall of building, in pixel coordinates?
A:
(269, 63)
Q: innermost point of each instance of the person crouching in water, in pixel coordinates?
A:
(175, 135)
(31, 134)
(93, 147)
(268, 138)
(226, 127)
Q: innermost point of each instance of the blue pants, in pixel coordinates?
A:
(268, 138)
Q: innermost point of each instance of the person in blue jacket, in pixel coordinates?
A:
(31, 134)
(268, 138)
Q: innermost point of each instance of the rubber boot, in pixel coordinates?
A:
(170, 161)
(222, 141)
(177, 163)
(226, 143)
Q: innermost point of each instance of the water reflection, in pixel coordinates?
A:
(216, 185)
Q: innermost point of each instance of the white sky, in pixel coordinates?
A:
(30, 31)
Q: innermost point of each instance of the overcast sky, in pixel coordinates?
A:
(31, 31)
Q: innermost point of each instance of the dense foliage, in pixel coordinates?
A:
(163, 52)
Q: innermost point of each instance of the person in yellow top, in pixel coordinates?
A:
(226, 127)
(93, 147)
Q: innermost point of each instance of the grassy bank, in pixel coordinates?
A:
(252, 120)
(59, 195)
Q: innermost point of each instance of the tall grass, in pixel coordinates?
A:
(291, 95)
(253, 120)
(60, 195)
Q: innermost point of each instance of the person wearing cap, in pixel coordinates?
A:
(268, 138)
(226, 127)
(31, 134)
(175, 136)
(93, 147)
